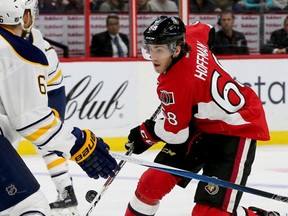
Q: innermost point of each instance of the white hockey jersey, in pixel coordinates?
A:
(23, 95)
(54, 72)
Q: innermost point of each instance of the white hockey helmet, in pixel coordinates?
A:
(33, 6)
(11, 11)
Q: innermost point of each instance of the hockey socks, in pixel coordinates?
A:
(138, 208)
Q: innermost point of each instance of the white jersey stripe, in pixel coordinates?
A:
(239, 177)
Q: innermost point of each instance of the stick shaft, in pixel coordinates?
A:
(106, 185)
(110, 179)
(202, 178)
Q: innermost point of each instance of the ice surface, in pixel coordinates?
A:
(270, 173)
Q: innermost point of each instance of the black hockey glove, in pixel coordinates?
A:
(142, 137)
(92, 154)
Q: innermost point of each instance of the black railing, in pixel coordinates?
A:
(60, 45)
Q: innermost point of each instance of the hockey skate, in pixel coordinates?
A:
(262, 212)
(66, 203)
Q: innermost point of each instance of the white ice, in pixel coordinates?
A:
(269, 173)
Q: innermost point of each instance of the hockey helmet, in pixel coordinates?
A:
(164, 30)
(11, 11)
(32, 5)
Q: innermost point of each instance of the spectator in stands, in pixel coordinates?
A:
(95, 5)
(144, 6)
(163, 6)
(278, 43)
(227, 40)
(203, 6)
(222, 5)
(114, 6)
(241, 6)
(279, 5)
(52, 6)
(73, 6)
(61, 6)
(110, 43)
(41, 6)
(176, 2)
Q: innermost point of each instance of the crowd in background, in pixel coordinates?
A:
(60, 6)
(77, 6)
(227, 41)
(196, 6)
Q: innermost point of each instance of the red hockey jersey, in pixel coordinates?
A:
(198, 82)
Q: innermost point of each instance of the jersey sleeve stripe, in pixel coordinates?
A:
(51, 137)
(56, 163)
(170, 137)
(54, 71)
(34, 136)
(59, 74)
(48, 154)
(50, 48)
(37, 122)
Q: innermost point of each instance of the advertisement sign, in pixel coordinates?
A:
(113, 96)
(100, 96)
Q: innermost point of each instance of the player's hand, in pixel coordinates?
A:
(92, 154)
(142, 137)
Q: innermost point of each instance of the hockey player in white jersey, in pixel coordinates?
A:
(66, 203)
(23, 99)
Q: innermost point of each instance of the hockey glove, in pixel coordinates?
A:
(262, 212)
(142, 137)
(92, 154)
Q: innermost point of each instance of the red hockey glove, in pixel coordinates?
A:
(262, 212)
(142, 137)
(92, 154)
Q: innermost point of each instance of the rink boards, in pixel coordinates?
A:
(110, 98)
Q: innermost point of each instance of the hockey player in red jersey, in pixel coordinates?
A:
(211, 122)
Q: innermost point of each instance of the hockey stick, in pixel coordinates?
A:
(92, 196)
(202, 178)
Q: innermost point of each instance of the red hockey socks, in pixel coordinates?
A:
(152, 186)
(205, 210)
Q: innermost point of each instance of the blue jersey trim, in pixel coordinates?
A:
(24, 48)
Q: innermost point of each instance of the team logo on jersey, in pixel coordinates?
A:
(212, 189)
(11, 190)
(167, 98)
